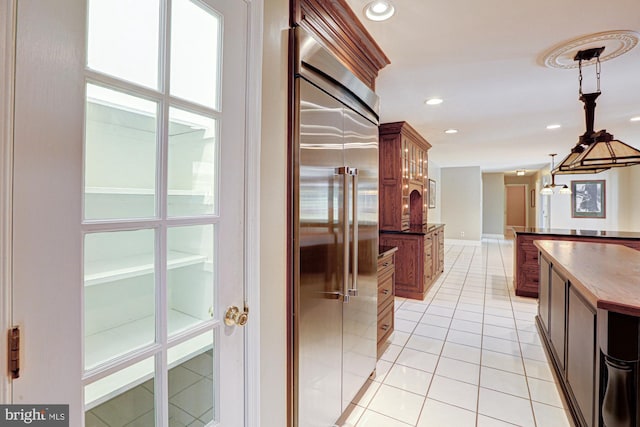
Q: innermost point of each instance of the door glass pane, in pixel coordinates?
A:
(119, 294)
(123, 38)
(120, 155)
(190, 275)
(125, 398)
(195, 53)
(193, 167)
(191, 387)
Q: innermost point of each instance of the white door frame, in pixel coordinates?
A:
(252, 220)
(252, 206)
(7, 62)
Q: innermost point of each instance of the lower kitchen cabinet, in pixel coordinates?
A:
(593, 331)
(419, 260)
(581, 353)
(568, 328)
(557, 314)
(386, 292)
(543, 296)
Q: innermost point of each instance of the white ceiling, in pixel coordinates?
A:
(485, 59)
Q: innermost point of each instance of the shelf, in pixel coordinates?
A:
(141, 191)
(105, 271)
(113, 343)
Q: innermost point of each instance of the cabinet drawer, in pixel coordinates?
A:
(385, 264)
(385, 291)
(385, 324)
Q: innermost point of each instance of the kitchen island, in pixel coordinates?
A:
(589, 321)
(525, 265)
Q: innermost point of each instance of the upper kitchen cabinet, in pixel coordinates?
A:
(335, 25)
(403, 177)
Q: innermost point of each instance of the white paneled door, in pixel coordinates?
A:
(129, 209)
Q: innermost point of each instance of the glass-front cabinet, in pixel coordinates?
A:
(151, 203)
(403, 177)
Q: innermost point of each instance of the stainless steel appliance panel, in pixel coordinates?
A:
(321, 254)
(335, 234)
(360, 314)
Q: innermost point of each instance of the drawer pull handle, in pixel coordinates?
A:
(386, 264)
(385, 327)
(385, 291)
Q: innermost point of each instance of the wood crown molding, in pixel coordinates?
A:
(404, 127)
(339, 30)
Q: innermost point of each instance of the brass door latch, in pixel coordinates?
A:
(233, 316)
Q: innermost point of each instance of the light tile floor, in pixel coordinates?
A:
(468, 355)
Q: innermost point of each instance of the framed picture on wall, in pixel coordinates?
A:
(588, 199)
(432, 194)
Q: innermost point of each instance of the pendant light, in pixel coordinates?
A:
(549, 189)
(595, 151)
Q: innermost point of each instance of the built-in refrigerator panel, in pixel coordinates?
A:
(360, 314)
(335, 235)
(321, 251)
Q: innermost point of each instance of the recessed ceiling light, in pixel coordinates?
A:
(554, 126)
(434, 101)
(451, 131)
(635, 119)
(520, 172)
(379, 10)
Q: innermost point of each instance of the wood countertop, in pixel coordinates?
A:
(607, 275)
(415, 229)
(576, 233)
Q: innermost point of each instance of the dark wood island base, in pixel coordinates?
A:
(525, 257)
(589, 322)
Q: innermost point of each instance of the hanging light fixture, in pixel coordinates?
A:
(595, 151)
(549, 189)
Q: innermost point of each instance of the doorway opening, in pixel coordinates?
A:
(516, 212)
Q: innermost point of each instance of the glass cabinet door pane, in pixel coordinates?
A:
(126, 398)
(123, 39)
(120, 155)
(191, 382)
(190, 276)
(195, 53)
(193, 167)
(119, 294)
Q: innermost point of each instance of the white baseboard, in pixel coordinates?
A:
(462, 242)
(493, 236)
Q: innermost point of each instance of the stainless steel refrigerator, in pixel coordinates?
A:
(335, 234)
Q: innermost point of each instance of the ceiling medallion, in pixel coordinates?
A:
(616, 42)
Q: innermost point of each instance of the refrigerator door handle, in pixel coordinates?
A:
(344, 171)
(354, 238)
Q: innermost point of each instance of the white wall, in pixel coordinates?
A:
(273, 321)
(461, 200)
(434, 215)
(621, 200)
(633, 195)
(493, 203)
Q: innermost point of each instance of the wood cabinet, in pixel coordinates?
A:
(386, 292)
(525, 266)
(592, 332)
(403, 176)
(581, 352)
(419, 260)
(543, 304)
(340, 31)
(569, 332)
(403, 184)
(557, 313)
